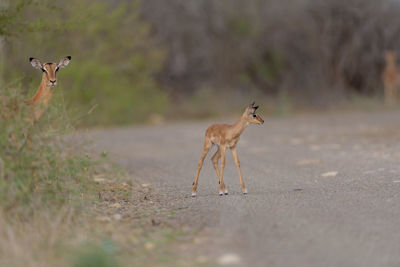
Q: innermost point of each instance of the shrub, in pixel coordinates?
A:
(114, 59)
(35, 165)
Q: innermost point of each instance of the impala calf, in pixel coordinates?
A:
(226, 136)
(41, 99)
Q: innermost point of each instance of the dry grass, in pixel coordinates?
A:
(63, 206)
(37, 241)
(112, 222)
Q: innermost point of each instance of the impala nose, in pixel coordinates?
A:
(53, 82)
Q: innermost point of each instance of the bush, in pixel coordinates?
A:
(35, 165)
(114, 60)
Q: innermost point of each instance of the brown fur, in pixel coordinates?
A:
(226, 136)
(391, 79)
(42, 97)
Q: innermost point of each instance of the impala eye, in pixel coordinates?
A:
(57, 69)
(254, 116)
(44, 70)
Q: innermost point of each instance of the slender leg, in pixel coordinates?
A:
(389, 93)
(236, 158)
(214, 159)
(222, 187)
(206, 148)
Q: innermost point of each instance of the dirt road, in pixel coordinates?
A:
(324, 190)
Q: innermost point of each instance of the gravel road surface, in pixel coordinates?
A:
(324, 190)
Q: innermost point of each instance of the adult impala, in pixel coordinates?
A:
(391, 79)
(226, 136)
(41, 99)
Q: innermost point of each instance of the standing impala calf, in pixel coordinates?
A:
(41, 99)
(226, 136)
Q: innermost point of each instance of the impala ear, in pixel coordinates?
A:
(251, 109)
(64, 62)
(35, 63)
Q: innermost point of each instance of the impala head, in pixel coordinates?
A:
(50, 69)
(251, 116)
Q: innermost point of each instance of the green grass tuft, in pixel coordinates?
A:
(92, 255)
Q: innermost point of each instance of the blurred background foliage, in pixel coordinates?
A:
(140, 61)
(114, 61)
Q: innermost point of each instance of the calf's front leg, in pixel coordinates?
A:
(237, 162)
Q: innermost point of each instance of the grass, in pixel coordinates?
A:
(97, 255)
(63, 206)
(35, 164)
(41, 182)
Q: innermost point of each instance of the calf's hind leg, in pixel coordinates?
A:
(215, 160)
(222, 187)
(206, 148)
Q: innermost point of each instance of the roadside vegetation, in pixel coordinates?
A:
(114, 59)
(41, 181)
(62, 204)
